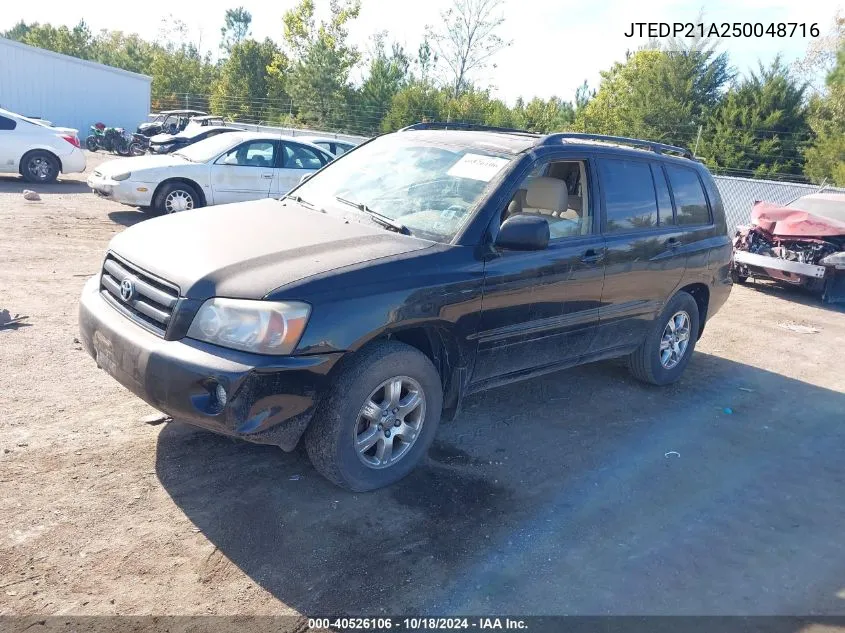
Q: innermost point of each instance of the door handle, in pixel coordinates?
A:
(674, 242)
(592, 256)
(267, 176)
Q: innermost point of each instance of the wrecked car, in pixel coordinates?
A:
(802, 244)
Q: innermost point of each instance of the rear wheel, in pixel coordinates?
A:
(40, 167)
(666, 350)
(175, 197)
(91, 143)
(378, 419)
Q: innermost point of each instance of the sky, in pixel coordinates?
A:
(556, 44)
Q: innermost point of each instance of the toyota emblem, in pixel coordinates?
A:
(127, 289)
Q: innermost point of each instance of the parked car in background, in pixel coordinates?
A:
(167, 121)
(37, 151)
(428, 265)
(333, 146)
(198, 129)
(231, 167)
(801, 244)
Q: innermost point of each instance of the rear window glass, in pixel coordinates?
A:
(7, 124)
(629, 198)
(690, 201)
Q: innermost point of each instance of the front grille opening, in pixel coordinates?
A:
(145, 299)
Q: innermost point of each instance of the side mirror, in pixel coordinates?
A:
(524, 233)
(304, 178)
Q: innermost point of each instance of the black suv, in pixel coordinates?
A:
(420, 267)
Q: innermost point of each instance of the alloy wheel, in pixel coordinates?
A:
(389, 422)
(675, 340)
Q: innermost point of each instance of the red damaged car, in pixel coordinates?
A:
(801, 244)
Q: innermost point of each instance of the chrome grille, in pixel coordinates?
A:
(151, 302)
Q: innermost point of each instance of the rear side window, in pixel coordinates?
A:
(301, 157)
(690, 201)
(629, 197)
(664, 200)
(7, 124)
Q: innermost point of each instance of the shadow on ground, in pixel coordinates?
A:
(796, 294)
(583, 492)
(128, 217)
(16, 184)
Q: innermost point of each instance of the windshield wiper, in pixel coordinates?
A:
(386, 222)
(300, 200)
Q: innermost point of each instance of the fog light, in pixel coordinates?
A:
(220, 394)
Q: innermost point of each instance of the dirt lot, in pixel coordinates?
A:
(584, 492)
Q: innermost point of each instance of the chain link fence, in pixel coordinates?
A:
(740, 194)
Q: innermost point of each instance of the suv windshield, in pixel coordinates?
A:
(429, 188)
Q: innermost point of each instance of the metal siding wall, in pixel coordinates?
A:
(69, 93)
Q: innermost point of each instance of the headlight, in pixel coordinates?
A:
(262, 327)
(834, 259)
(122, 176)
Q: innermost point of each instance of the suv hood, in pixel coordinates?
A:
(246, 250)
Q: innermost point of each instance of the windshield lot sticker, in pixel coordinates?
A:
(477, 167)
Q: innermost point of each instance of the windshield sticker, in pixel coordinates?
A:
(477, 167)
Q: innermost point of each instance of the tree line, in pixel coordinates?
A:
(769, 123)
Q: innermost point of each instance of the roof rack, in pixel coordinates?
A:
(459, 125)
(659, 148)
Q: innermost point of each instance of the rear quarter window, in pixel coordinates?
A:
(7, 124)
(690, 201)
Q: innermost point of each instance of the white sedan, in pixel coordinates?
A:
(232, 167)
(37, 151)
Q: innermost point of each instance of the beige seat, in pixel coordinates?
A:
(546, 196)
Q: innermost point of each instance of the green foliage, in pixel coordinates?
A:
(243, 89)
(321, 61)
(826, 156)
(235, 28)
(386, 75)
(760, 126)
(655, 94)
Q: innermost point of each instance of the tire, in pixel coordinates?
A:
(91, 144)
(177, 196)
(122, 148)
(647, 363)
(331, 436)
(40, 167)
(136, 149)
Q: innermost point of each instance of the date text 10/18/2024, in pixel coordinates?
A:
(722, 29)
(418, 624)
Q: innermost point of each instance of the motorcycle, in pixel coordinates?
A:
(113, 139)
(139, 144)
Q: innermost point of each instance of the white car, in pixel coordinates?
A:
(37, 151)
(333, 146)
(232, 167)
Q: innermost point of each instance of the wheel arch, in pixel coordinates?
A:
(438, 343)
(701, 293)
(184, 181)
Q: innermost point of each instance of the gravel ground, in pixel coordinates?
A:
(583, 492)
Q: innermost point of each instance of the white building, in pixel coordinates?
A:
(68, 91)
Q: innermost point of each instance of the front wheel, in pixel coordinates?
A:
(666, 350)
(122, 148)
(175, 197)
(136, 149)
(91, 143)
(378, 419)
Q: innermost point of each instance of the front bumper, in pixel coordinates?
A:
(270, 400)
(136, 194)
